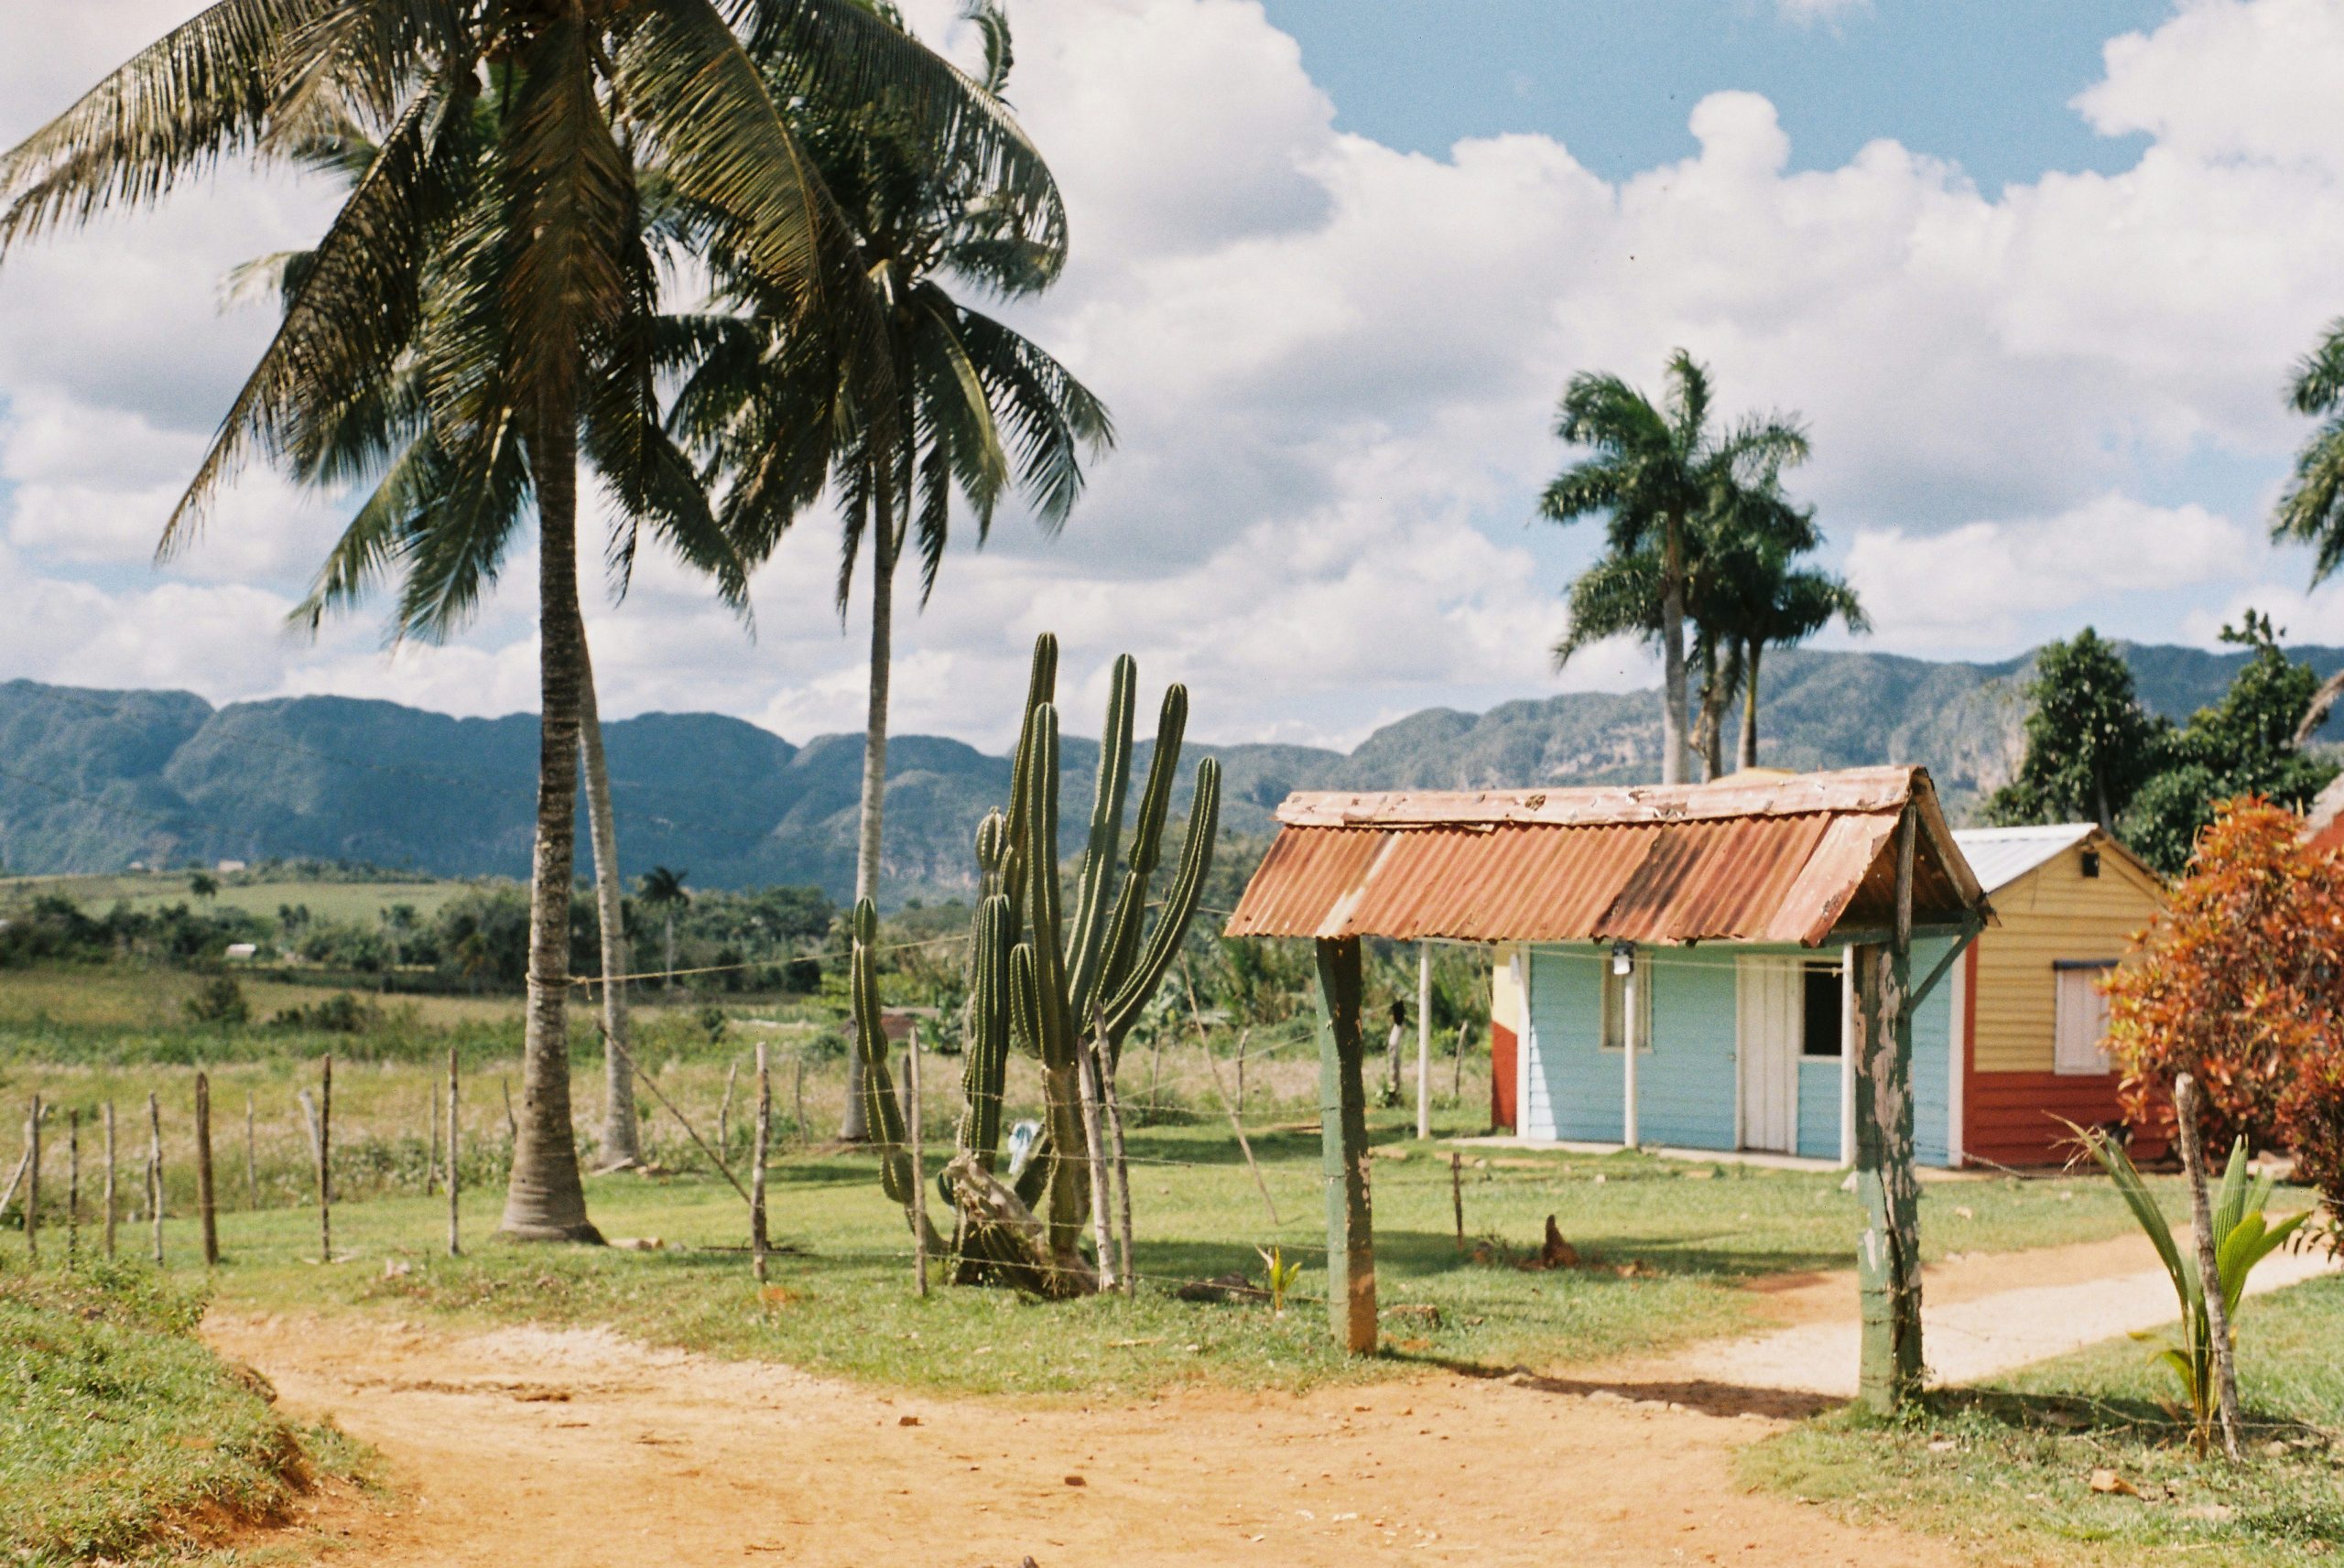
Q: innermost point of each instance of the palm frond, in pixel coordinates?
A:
(203, 91)
(838, 55)
(350, 315)
(2311, 510)
(2318, 383)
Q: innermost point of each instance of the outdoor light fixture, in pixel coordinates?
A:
(1624, 959)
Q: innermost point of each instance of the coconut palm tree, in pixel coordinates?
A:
(979, 411)
(487, 297)
(1654, 469)
(664, 891)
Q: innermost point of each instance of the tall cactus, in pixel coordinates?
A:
(1044, 986)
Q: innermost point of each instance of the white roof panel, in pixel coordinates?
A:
(2000, 856)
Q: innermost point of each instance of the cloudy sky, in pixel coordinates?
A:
(2033, 274)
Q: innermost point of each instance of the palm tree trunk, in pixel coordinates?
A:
(1676, 764)
(1708, 728)
(671, 946)
(622, 1138)
(855, 1127)
(1751, 650)
(545, 1200)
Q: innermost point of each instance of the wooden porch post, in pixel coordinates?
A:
(1342, 1108)
(1888, 1262)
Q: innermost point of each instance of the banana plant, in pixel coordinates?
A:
(2243, 1235)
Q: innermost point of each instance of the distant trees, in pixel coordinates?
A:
(1655, 470)
(664, 891)
(2092, 751)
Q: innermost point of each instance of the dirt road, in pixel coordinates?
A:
(533, 1448)
(528, 1448)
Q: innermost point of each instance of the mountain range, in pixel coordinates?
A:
(94, 781)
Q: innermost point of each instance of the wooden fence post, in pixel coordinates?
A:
(431, 1151)
(1111, 1104)
(1424, 1040)
(762, 1139)
(325, 1161)
(155, 1170)
(1086, 1075)
(252, 1157)
(111, 1203)
(206, 1213)
(32, 1181)
(72, 1187)
(1456, 1194)
(798, 1092)
(920, 1162)
(455, 1212)
(1342, 1108)
(1888, 1262)
(724, 1107)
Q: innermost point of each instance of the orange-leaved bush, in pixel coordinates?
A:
(2239, 981)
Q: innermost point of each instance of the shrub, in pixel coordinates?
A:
(219, 999)
(2239, 981)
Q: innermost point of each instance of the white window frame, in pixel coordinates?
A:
(1608, 1007)
(2077, 983)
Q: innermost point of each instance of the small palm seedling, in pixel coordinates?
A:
(1281, 1277)
(2243, 1238)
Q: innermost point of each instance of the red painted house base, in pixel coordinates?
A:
(2016, 1118)
(1502, 1075)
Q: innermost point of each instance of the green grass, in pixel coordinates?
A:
(2005, 1469)
(122, 1431)
(1693, 1232)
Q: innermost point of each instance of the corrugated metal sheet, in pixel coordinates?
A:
(1662, 866)
(2002, 855)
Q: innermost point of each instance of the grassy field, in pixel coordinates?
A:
(355, 902)
(1669, 1244)
(125, 1432)
(2006, 1470)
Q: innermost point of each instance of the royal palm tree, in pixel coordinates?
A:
(2311, 510)
(1654, 469)
(973, 408)
(487, 299)
(1779, 604)
(664, 891)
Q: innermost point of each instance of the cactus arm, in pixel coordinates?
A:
(1041, 866)
(1147, 844)
(1091, 915)
(1041, 683)
(985, 1063)
(1179, 907)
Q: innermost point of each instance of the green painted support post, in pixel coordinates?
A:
(1888, 1258)
(1342, 1108)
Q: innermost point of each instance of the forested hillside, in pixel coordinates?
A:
(92, 781)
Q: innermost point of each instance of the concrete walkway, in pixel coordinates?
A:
(1966, 1341)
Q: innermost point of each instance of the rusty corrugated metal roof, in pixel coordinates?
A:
(1778, 860)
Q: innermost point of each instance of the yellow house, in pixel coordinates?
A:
(2030, 1021)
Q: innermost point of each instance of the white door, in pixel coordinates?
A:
(1769, 998)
